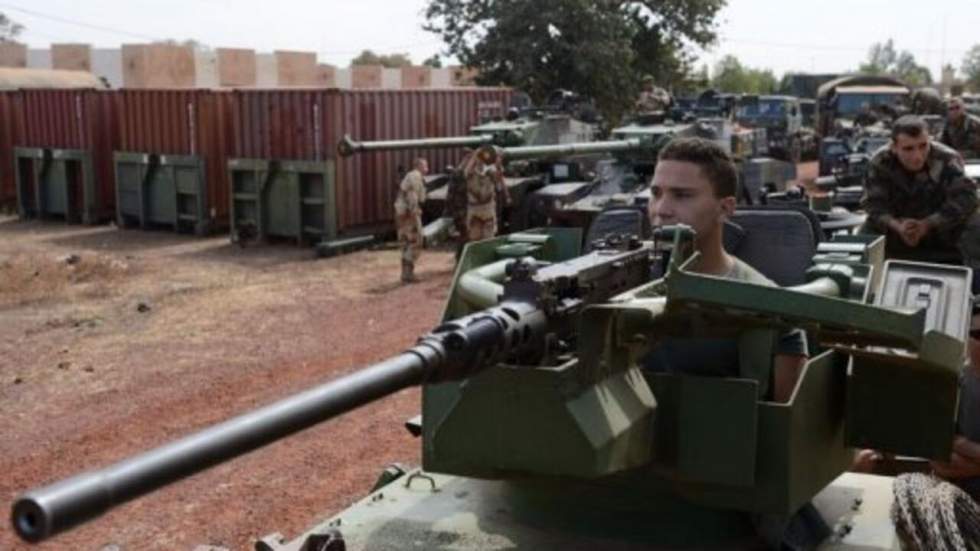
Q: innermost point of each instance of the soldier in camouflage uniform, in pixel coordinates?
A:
(653, 98)
(483, 182)
(962, 130)
(917, 195)
(456, 201)
(408, 217)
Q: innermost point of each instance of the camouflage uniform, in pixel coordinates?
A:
(456, 206)
(940, 193)
(481, 204)
(408, 220)
(964, 137)
(653, 100)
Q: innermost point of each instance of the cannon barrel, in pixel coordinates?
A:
(489, 154)
(452, 351)
(348, 147)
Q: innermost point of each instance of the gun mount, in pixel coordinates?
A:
(549, 345)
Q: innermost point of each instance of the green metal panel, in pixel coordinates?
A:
(287, 199)
(56, 183)
(167, 190)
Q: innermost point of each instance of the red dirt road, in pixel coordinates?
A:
(141, 338)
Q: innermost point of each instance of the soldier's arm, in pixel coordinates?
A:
(419, 182)
(961, 199)
(875, 200)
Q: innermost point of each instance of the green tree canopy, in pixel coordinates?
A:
(884, 59)
(391, 61)
(9, 29)
(599, 48)
(731, 76)
(971, 68)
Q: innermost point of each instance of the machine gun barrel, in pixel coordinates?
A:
(453, 351)
(348, 147)
(568, 149)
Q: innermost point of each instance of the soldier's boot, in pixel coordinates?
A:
(408, 272)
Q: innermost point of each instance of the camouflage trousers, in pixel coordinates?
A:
(481, 225)
(409, 227)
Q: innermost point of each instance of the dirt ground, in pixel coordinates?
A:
(113, 342)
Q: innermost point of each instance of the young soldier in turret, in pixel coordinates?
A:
(695, 183)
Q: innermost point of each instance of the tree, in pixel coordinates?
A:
(9, 29)
(732, 76)
(883, 59)
(391, 61)
(435, 62)
(598, 48)
(971, 68)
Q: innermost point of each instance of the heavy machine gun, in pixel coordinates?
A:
(534, 397)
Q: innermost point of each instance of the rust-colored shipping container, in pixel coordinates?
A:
(172, 159)
(81, 126)
(306, 125)
(8, 185)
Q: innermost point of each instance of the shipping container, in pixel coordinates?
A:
(8, 183)
(172, 160)
(64, 141)
(306, 125)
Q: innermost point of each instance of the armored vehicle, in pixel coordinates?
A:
(841, 101)
(541, 429)
(782, 118)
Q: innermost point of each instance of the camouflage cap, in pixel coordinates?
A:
(647, 78)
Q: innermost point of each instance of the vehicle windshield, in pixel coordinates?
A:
(763, 108)
(849, 105)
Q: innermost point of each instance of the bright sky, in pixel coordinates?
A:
(783, 35)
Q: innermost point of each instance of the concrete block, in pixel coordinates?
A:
(391, 79)
(326, 76)
(266, 71)
(463, 76)
(237, 67)
(366, 76)
(38, 59)
(416, 77)
(13, 54)
(72, 57)
(158, 66)
(342, 78)
(441, 78)
(206, 69)
(107, 63)
(296, 68)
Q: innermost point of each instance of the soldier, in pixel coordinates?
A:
(653, 98)
(483, 182)
(917, 195)
(962, 130)
(408, 217)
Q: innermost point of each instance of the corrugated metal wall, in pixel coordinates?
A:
(72, 119)
(8, 184)
(307, 124)
(182, 122)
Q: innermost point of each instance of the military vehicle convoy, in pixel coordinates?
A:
(782, 118)
(542, 430)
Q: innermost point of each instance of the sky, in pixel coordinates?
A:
(826, 36)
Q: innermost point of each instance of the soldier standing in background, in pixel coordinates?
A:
(408, 217)
(653, 98)
(962, 130)
(483, 182)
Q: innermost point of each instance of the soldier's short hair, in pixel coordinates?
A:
(419, 161)
(912, 126)
(714, 161)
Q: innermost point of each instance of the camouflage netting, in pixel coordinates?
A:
(930, 513)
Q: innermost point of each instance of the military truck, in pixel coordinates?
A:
(852, 108)
(782, 118)
(540, 428)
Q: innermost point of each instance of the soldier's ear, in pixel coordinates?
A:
(727, 207)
